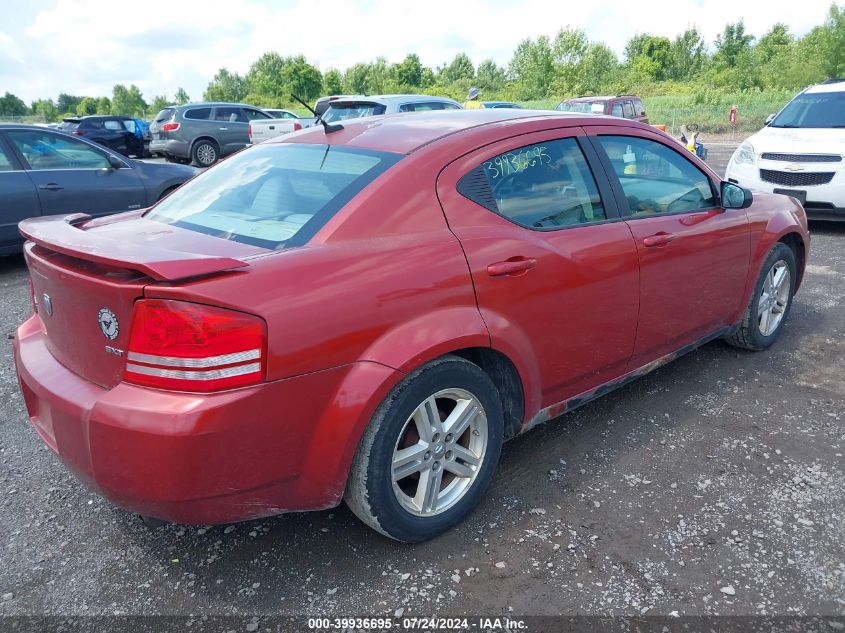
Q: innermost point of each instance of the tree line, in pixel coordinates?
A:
(540, 68)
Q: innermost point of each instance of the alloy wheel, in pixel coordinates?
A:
(439, 453)
(774, 298)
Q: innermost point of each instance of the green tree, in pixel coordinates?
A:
(127, 101)
(160, 102)
(226, 86)
(355, 79)
(596, 68)
(533, 68)
(833, 42)
(67, 103)
(87, 106)
(103, 105)
(732, 43)
(409, 71)
(460, 68)
(46, 109)
(332, 82)
(490, 76)
(650, 54)
(181, 97)
(777, 41)
(688, 55)
(301, 78)
(11, 105)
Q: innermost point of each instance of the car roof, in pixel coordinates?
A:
(597, 98)
(206, 104)
(832, 86)
(385, 99)
(406, 132)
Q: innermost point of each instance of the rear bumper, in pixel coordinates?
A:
(194, 458)
(171, 147)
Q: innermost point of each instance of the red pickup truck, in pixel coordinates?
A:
(623, 106)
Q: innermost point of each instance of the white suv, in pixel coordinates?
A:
(800, 152)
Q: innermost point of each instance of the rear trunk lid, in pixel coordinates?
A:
(87, 275)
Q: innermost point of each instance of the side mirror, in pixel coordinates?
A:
(770, 118)
(115, 162)
(736, 197)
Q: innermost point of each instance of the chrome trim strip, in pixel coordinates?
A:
(211, 374)
(208, 361)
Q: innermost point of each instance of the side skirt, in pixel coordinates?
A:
(558, 409)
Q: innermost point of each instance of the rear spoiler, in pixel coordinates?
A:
(64, 234)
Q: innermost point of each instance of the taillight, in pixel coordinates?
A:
(249, 131)
(192, 347)
(297, 126)
(76, 133)
(170, 127)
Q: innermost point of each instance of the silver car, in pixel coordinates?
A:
(202, 133)
(361, 106)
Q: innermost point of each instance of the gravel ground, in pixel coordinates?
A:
(715, 485)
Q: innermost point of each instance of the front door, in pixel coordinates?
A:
(694, 254)
(554, 268)
(72, 176)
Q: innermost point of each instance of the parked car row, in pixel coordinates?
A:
(122, 134)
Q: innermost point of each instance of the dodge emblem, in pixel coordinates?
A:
(108, 324)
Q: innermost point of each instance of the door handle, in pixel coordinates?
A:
(658, 239)
(514, 266)
(51, 186)
(224, 129)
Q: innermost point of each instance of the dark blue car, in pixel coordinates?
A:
(47, 172)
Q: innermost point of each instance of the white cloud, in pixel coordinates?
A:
(87, 46)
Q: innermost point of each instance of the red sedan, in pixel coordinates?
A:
(366, 312)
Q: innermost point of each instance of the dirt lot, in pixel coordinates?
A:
(715, 485)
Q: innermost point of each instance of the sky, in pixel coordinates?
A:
(85, 47)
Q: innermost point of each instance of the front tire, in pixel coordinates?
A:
(770, 304)
(429, 452)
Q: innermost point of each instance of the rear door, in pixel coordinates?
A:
(19, 197)
(73, 176)
(232, 128)
(693, 254)
(554, 267)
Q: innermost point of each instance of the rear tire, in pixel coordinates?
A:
(429, 452)
(204, 153)
(770, 302)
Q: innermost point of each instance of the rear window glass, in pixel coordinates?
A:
(164, 115)
(68, 126)
(273, 196)
(581, 106)
(201, 114)
(352, 110)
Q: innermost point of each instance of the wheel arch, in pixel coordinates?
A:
(794, 241)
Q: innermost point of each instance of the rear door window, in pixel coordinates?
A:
(616, 110)
(229, 115)
(113, 125)
(545, 186)
(273, 196)
(43, 151)
(197, 114)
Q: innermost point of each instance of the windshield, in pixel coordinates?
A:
(352, 110)
(580, 106)
(818, 110)
(272, 196)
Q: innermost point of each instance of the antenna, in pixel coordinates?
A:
(329, 128)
